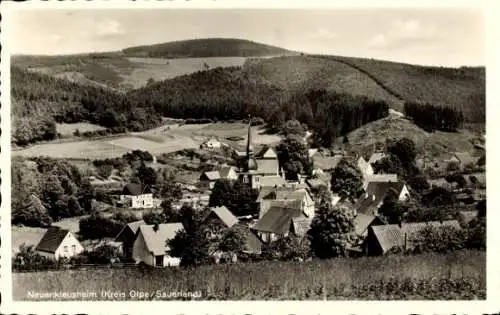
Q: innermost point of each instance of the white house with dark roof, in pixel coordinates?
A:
(207, 179)
(150, 246)
(137, 196)
(57, 243)
(212, 143)
(369, 202)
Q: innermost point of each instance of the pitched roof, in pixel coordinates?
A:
(315, 182)
(225, 170)
(301, 225)
(156, 242)
(375, 157)
(51, 240)
(468, 216)
(266, 153)
(391, 235)
(275, 220)
(211, 175)
(362, 222)
(382, 178)
(133, 226)
(226, 216)
(252, 242)
(271, 181)
(465, 158)
(375, 194)
(312, 152)
(134, 189)
(267, 166)
(326, 162)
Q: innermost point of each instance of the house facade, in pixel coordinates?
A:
(369, 202)
(150, 245)
(136, 196)
(127, 237)
(59, 243)
(212, 143)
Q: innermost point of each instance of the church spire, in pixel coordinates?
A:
(249, 137)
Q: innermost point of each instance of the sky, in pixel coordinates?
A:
(443, 37)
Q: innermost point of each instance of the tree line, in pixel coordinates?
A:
(432, 117)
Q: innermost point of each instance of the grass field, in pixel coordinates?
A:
(69, 129)
(164, 139)
(459, 275)
(433, 144)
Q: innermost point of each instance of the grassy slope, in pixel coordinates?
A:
(435, 144)
(391, 277)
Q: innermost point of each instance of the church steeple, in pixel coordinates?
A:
(250, 163)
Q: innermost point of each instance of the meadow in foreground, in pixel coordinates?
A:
(457, 275)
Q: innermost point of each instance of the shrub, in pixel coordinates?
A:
(28, 259)
(439, 239)
(103, 254)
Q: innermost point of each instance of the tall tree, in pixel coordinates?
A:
(332, 231)
(347, 180)
(293, 157)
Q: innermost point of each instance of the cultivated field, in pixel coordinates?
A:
(160, 140)
(69, 129)
(459, 275)
(160, 69)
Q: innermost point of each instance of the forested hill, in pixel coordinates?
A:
(207, 47)
(38, 101)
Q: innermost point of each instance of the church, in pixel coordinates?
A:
(255, 169)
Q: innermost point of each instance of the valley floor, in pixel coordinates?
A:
(451, 276)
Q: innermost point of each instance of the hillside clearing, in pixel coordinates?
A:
(69, 129)
(389, 278)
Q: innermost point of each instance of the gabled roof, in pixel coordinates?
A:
(134, 189)
(270, 166)
(375, 157)
(465, 158)
(392, 235)
(52, 239)
(211, 175)
(326, 162)
(362, 222)
(382, 178)
(315, 182)
(225, 170)
(223, 213)
(252, 242)
(301, 225)
(156, 241)
(271, 181)
(266, 153)
(276, 220)
(133, 226)
(212, 139)
(375, 194)
(468, 216)
(312, 152)
(274, 192)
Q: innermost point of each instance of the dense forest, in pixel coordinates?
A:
(208, 47)
(431, 117)
(39, 101)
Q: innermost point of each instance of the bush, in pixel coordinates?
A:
(28, 259)
(439, 239)
(103, 254)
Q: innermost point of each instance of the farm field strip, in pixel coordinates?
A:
(388, 277)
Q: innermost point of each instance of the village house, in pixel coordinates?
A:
(127, 237)
(59, 243)
(380, 178)
(228, 173)
(137, 196)
(282, 219)
(375, 157)
(462, 159)
(370, 202)
(211, 144)
(365, 168)
(207, 179)
(220, 216)
(269, 196)
(150, 245)
(383, 238)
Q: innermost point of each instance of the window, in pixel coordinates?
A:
(65, 249)
(73, 248)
